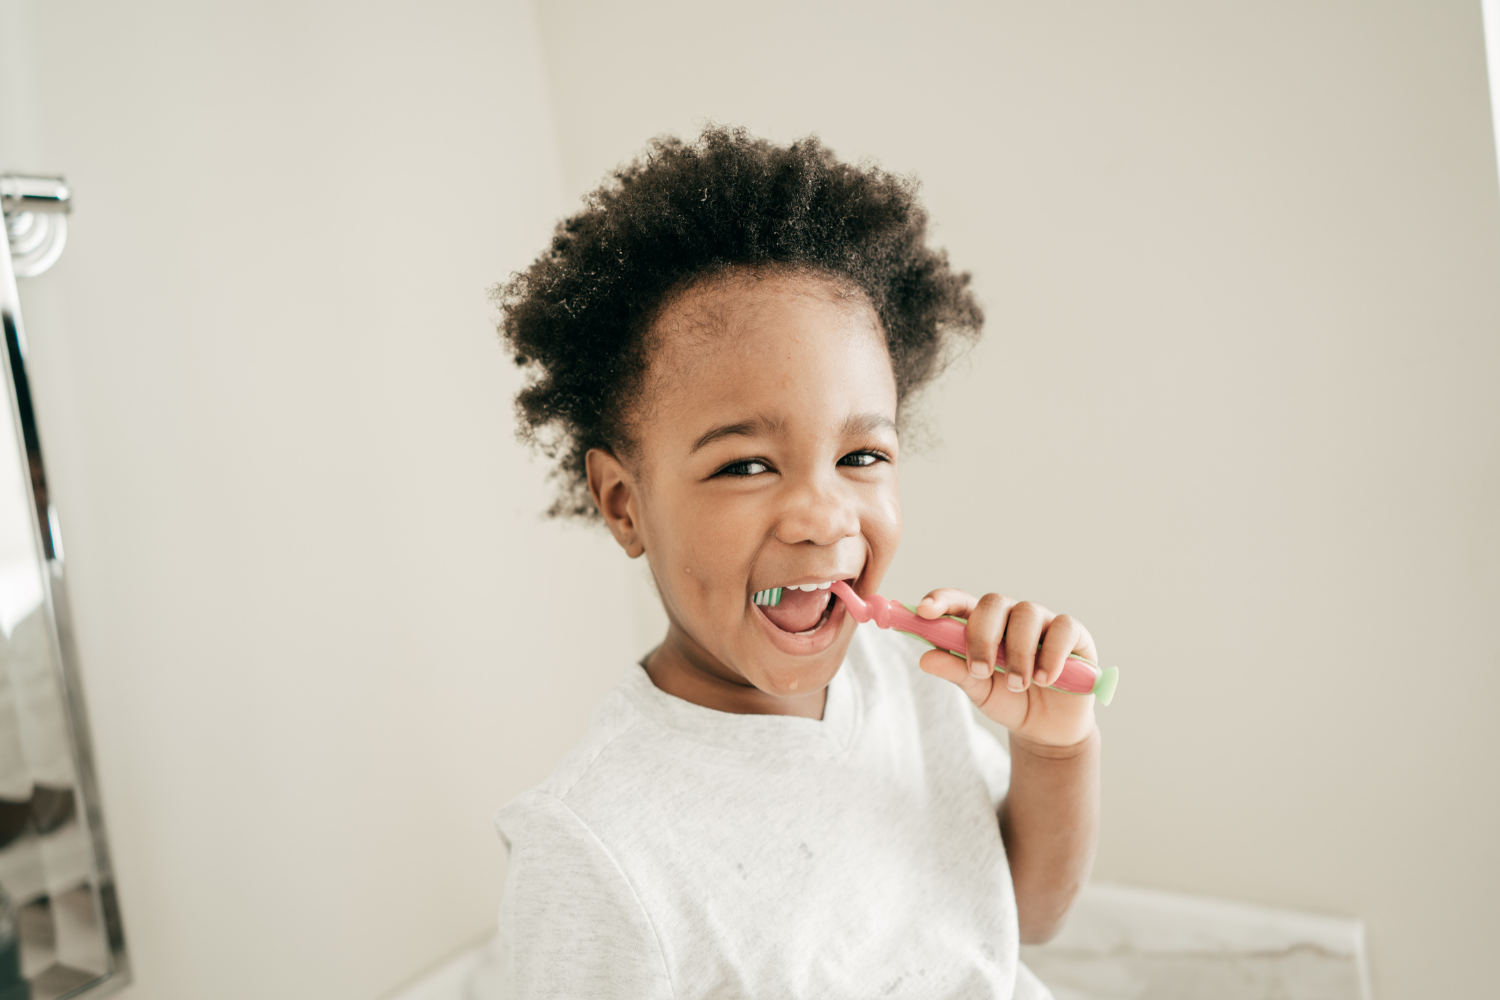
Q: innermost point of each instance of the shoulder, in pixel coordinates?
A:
(619, 751)
(571, 920)
(615, 720)
(571, 923)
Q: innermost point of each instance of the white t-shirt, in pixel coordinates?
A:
(688, 853)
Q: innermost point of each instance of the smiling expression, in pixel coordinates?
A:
(764, 456)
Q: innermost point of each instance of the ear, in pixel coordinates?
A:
(614, 491)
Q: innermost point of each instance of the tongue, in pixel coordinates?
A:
(799, 610)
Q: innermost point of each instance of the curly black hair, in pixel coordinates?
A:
(577, 318)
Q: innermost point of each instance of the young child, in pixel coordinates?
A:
(776, 803)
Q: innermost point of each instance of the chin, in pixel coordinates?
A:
(792, 683)
(788, 676)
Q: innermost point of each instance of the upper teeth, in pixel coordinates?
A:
(772, 598)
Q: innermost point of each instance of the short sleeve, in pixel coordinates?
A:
(570, 923)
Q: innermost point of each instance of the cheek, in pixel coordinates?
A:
(720, 555)
(882, 524)
(699, 556)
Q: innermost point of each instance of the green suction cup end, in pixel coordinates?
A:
(1104, 687)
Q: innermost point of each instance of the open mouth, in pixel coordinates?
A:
(797, 610)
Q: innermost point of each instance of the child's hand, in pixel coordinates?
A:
(1036, 644)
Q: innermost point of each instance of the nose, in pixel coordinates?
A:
(820, 512)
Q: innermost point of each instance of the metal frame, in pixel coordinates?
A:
(35, 211)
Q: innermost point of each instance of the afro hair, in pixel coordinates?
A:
(577, 318)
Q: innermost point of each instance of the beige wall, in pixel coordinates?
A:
(1236, 407)
(324, 631)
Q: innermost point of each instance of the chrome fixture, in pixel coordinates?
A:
(60, 929)
(36, 221)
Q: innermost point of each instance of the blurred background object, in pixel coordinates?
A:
(59, 913)
(1240, 263)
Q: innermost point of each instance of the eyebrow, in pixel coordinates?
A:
(858, 423)
(744, 428)
(864, 423)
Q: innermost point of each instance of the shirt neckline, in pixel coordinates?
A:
(763, 735)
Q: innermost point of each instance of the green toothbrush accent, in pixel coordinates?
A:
(767, 598)
(1104, 687)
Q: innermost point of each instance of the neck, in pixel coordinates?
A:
(681, 667)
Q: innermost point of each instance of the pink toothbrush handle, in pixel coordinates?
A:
(1078, 675)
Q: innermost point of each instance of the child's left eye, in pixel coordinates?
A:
(744, 467)
(860, 459)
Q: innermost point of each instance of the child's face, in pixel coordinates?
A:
(766, 457)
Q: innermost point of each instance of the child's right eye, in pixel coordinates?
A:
(745, 467)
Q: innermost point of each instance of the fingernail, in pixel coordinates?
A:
(978, 669)
(925, 600)
(1014, 682)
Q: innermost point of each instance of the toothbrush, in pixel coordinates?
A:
(1079, 675)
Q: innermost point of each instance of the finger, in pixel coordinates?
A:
(1023, 633)
(1062, 637)
(946, 601)
(943, 664)
(982, 634)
